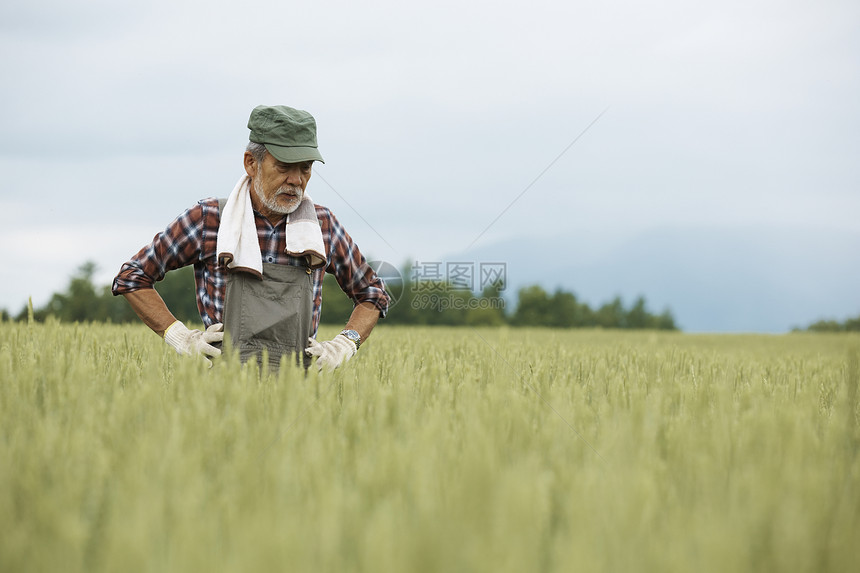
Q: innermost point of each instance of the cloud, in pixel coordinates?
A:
(434, 118)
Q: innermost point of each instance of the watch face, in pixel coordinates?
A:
(352, 335)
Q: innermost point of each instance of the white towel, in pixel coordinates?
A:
(238, 245)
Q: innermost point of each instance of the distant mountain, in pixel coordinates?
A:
(713, 279)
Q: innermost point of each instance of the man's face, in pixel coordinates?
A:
(279, 186)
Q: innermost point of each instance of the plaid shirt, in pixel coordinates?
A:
(192, 239)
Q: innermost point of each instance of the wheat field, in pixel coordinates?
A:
(435, 449)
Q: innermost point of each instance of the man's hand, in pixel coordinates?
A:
(333, 353)
(194, 342)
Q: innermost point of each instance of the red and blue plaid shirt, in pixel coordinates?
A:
(191, 239)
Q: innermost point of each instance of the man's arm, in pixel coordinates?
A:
(363, 318)
(150, 307)
(360, 283)
(355, 277)
(185, 241)
(179, 245)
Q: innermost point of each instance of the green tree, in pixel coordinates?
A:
(490, 310)
(534, 307)
(850, 325)
(336, 305)
(666, 321)
(441, 304)
(80, 302)
(565, 310)
(825, 326)
(114, 308)
(179, 292)
(612, 314)
(429, 302)
(402, 310)
(639, 317)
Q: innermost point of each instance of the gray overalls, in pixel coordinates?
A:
(273, 313)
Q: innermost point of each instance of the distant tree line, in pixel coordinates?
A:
(850, 325)
(420, 303)
(441, 303)
(82, 301)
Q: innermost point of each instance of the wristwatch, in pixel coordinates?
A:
(352, 335)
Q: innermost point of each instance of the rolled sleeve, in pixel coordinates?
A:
(356, 278)
(180, 244)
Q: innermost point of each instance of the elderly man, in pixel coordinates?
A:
(259, 258)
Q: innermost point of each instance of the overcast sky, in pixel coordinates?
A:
(433, 120)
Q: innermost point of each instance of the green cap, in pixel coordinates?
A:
(290, 135)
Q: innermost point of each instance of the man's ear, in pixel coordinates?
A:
(250, 164)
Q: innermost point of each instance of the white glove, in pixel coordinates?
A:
(194, 342)
(333, 353)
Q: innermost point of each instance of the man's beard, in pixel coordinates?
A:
(270, 201)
